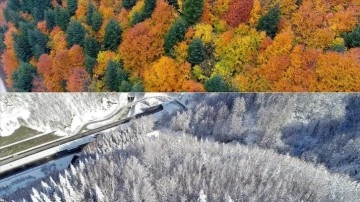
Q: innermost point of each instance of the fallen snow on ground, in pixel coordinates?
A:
(15, 182)
(10, 122)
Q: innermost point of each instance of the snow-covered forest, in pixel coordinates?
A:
(62, 113)
(224, 147)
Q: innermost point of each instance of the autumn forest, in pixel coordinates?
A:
(180, 45)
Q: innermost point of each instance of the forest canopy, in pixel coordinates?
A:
(181, 45)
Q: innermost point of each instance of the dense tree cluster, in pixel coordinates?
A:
(318, 128)
(237, 40)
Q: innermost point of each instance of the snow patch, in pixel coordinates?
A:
(10, 122)
(153, 134)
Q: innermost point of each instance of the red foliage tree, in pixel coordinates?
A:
(78, 81)
(238, 12)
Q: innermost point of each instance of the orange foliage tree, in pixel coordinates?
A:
(78, 81)
(8, 58)
(57, 40)
(143, 44)
(309, 24)
(57, 70)
(166, 75)
(300, 76)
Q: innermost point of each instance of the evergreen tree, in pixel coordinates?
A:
(89, 64)
(90, 10)
(37, 15)
(138, 87)
(49, 18)
(175, 34)
(27, 6)
(72, 6)
(269, 22)
(39, 7)
(352, 39)
(121, 74)
(128, 4)
(75, 33)
(14, 5)
(96, 21)
(2, 38)
(112, 36)
(196, 52)
(38, 42)
(111, 75)
(62, 17)
(148, 8)
(13, 16)
(136, 18)
(91, 46)
(23, 76)
(216, 84)
(21, 42)
(125, 86)
(193, 10)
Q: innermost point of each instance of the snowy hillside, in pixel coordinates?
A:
(62, 113)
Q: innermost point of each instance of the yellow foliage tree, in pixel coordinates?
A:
(81, 9)
(282, 45)
(255, 13)
(204, 32)
(236, 50)
(166, 75)
(103, 59)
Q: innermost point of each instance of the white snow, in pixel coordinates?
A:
(153, 134)
(2, 86)
(12, 183)
(10, 122)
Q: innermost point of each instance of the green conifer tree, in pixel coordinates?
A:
(112, 36)
(62, 17)
(72, 6)
(352, 39)
(175, 34)
(75, 34)
(128, 4)
(91, 46)
(111, 75)
(23, 77)
(196, 52)
(193, 10)
(216, 84)
(50, 19)
(270, 21)
(96, 21)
